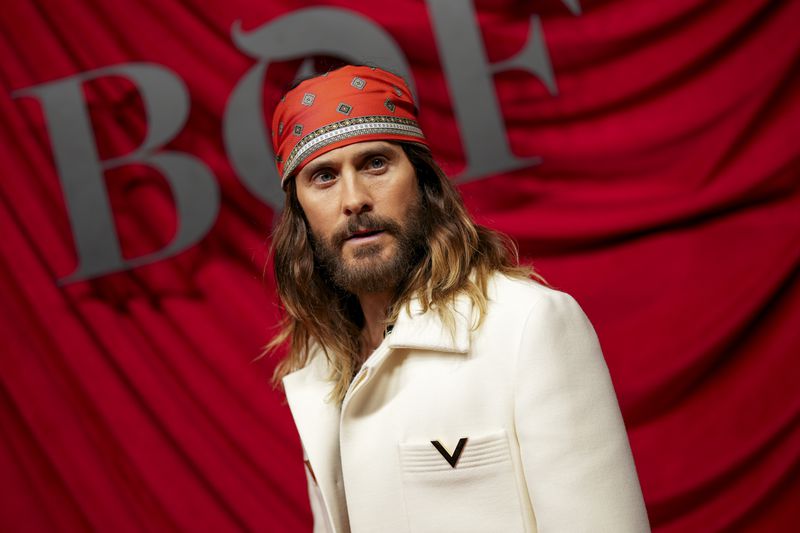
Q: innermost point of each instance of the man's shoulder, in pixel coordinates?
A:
(516, 302)
(515, 292)
(315, 368)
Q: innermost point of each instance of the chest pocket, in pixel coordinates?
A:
(478, 494)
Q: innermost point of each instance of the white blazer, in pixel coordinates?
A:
(511, 427)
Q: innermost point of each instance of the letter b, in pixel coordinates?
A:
(195, 190)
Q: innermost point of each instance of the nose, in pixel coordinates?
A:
(356, 198)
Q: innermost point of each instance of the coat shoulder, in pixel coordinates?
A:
(515, 295)
(315, 369)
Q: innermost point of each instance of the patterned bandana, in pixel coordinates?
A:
(344, 106)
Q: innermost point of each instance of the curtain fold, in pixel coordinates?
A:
(667, 201)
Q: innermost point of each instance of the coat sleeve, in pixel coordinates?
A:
(575, 453)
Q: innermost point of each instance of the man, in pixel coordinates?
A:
(434, 385)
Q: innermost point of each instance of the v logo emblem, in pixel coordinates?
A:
(452, 459)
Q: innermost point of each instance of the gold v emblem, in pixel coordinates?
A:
(452, 459)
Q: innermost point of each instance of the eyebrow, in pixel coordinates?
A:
(360, 156)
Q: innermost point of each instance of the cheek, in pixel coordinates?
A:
(320, 220)
(400, 198)
(315, 222)
(405, 202)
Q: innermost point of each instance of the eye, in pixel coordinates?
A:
(376, 163)
(322, 177)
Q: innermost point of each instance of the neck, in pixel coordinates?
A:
(374, 306)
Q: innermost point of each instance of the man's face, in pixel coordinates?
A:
(363, 206)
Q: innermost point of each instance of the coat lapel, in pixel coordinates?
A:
(426, 330)
(317, 421)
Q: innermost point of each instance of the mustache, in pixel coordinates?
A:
(362, 222)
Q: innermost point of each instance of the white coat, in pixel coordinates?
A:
(545, 451)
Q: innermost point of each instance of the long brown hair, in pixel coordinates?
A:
(460, 257)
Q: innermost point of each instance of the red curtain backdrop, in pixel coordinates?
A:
(666, 202)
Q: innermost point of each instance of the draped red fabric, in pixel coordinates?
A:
(667, 202)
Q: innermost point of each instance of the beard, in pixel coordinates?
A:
(367, 271)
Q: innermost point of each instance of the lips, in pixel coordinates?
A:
(364, 233)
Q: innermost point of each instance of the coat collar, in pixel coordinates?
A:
(427, 331)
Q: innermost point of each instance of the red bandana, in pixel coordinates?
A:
(344, 106)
